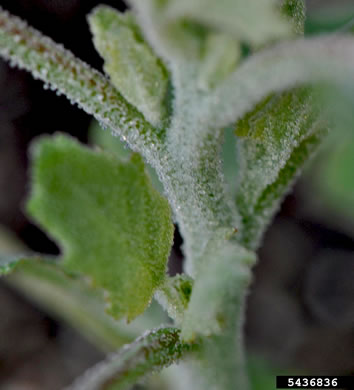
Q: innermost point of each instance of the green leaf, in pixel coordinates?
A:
(275, 140)
(112, 224)
(151, 352)
(133, 67)
(70, 298)
(180, 25)
(221, 55)
(180, 32)
(111, 144)
(252, 21)
(296, 12)
(174, 296)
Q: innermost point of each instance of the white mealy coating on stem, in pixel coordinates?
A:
(48, 61)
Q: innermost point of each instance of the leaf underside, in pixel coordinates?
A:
(112, 225)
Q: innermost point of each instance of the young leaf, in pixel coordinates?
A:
(150, 352)
(255, 22)
(133, 67)
(178, 28)
(211, 39)
(275, 140)
(174, 296)
(221, 55)
(112, 224)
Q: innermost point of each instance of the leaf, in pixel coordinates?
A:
(296, 12)
(221, 56)
(174, 296)
(134, 69)
(180, 32)
(67, 296)
(151, 352)
(111, 144)
(252, 21)
(28, 49)
(112, 225)
(275, 140)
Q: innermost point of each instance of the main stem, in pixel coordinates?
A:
(207, 218)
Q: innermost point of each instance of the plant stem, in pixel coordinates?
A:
(193, 177)
(157, 349)
(48, 61)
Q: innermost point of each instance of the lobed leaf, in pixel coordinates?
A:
(150, 352)
(133, 67)
(113, 226)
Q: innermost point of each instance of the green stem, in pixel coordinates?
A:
(150, 352)
(193, 177)
(28, 49)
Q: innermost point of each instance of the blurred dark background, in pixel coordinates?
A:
(300, 312)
